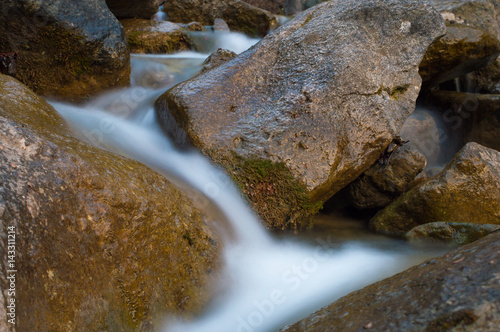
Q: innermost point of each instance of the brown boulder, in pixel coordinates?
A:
(134, 8)
(102, 242)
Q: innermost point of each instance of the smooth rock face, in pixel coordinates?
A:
(456, 292)
(477, 115)
(147, 36)
(323, 95)
(103, 242)
(483, 14)
(383, 182)
(239, 15)
(67, 49)
(467, 190)
(454, 232)
(272, 6)
(134, 8)
(462, 50)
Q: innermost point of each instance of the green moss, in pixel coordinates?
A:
(395, 92)
(446, 322)
(307, 20)
(281, 201)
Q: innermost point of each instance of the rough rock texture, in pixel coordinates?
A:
(147, 36)
(272, 6)
(217, 58)
(320, 99)
(220, 25)
(483, 14)
(456, 292)
(293, 7)
(462, 50)
(134, 8)
(476, 115)
(240, 16)
(67, 49)
(383, 182)
(486, 80)
(454, 232)
(103, 243)
(467, 190)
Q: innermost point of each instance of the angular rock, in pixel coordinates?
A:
(453, 232)
(483, 14)
(455, 292)
(134, 8)
(462, 50)
(67, 49)
(239, 15)
(318, 124)
(272, 6)
(467, 190)
(477, 116)
(103, 243)
(147, 36)
(217, 58)
(383, 182)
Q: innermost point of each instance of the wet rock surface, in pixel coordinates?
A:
(467, 190)
(386, 180)
(103, 242)
(322, 122)
(462, 50)
(134, 8)
(477, 116)
(147, 36)
(239, 15)
(452, 232)
(68, 50)
(217, 58)
(456, 292)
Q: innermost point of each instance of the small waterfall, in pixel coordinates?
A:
(267, 282)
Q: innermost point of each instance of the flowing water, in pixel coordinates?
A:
(267, 281)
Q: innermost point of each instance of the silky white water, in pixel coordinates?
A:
(267, 282)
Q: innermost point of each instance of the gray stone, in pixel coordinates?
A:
(322, 96)
(452, 232)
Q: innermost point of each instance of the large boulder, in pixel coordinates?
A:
(477, 116)
(148, 36)
(483, 14)
(452, 232)
(467, 190)
(462, 50)
(134, 8)
(239, 15)
(315, 103)
(67, 49)
(455, 292)
(386, 180)
(293, 7)
(102, 242)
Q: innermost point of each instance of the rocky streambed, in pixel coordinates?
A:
(145, 202)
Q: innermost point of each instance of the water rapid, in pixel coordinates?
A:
(267, 282)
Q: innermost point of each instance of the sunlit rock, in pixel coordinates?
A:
(312, 106)
(467, 190)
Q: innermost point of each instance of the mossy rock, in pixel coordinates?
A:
(147, 36)
(451, 232)
(68, 51)
(101, 239)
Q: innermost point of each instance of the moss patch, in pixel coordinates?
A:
(395, 92)
(279, 199)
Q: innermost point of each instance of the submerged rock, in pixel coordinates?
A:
(147, 36)
(67, 49)
(477, 116)
(385, 181)
(239, 15)
(103, 243)
(134, 8)
(453, 232)
(467, 190)
(315, 103)
(476, 13)
(455, 292)
(462, 50)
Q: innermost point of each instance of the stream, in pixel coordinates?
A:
(268, 280)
